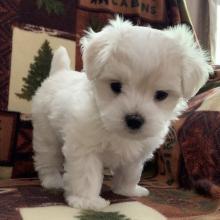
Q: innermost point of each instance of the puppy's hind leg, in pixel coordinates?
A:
(48, 157)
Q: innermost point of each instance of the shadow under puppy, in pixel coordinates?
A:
(116, 113)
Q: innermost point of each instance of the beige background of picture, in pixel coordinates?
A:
(25, 47)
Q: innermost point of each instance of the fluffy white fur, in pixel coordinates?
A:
(79, 125)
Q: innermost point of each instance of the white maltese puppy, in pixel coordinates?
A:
(117, 112)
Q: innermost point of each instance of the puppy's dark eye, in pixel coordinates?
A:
(160, 95)
(116, 87)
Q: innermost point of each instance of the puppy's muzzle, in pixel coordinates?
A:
(134, 121)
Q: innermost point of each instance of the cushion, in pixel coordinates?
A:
(190, 157)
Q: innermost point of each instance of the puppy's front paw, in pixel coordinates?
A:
(52, 181)
(96, 203)
(135, 191)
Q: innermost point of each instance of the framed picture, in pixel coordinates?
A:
(24, 27)
(29, 70)
(9, 122)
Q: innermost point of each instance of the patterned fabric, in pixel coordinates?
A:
(8, 15)
(23, 161)
(190, 156)
(201, 154)
(171, 202)
(8, 136)
(15, 146)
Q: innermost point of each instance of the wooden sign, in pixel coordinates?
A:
(151, 10)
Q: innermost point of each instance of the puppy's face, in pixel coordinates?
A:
(140, 77)
(137, 97)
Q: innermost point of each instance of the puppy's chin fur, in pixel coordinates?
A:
(80, 121)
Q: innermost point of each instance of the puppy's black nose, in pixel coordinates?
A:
(134, 121)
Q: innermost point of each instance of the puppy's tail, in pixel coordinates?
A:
(60, 61)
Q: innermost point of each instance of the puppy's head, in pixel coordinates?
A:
(142, 77)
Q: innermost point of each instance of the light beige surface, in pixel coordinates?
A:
(133, 210)
(211, 103)
(25, 47)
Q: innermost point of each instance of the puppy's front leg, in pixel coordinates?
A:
(82, 182)
(126, 179)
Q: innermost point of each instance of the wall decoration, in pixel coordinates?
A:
(38, 71)
(52, 20)
(29, 40)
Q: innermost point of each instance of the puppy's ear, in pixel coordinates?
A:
(98, 47)
(84, 41)
(194, 60)
(94, 53)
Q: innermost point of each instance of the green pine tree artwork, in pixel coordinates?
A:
(95, 215)
(38, 71)
(51, 6)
